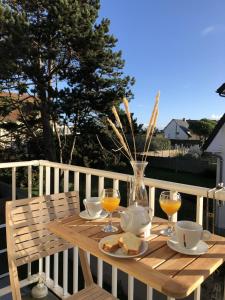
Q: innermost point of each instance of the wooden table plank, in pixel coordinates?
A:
(195, 273)
(158, 257)
(165, 270)
(180, 261)
(136, 269)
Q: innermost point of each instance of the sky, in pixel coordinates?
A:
(175, 46)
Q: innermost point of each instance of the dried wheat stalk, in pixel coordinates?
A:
(152, 116)
(152, 124)
(116, 115)
(124, 146)
(151, 133)
(120, 137)
(126, 105)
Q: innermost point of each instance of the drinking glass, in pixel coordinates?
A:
(110, 199)
(170, 203)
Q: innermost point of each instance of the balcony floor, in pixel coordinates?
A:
(25, 292)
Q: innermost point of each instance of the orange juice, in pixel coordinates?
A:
(110, 203)
(170, 207)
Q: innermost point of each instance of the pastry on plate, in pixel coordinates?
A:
(129, 243)
(111, 244)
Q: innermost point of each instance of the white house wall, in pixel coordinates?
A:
(174, 132)
(218, 143)
(217, 147)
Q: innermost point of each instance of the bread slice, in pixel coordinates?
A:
(129, 243)
(111, 244)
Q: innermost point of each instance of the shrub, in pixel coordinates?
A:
(160, 143)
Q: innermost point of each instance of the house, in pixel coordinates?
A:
(15, 112)
(215, 145)
(20, 108)
(179, 130)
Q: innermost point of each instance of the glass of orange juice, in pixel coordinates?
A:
(110, 200)
(170, 203)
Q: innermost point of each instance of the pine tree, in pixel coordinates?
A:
(63, 56)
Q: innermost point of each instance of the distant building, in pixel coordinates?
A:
(14, 115)
(20, 108)
(215, 144)
(179, 130)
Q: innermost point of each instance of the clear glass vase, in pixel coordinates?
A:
(138, 192)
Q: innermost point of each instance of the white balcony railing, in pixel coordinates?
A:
(50, 173)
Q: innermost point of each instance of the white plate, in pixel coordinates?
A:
(119, 253)
(84, 215)
(201, 248)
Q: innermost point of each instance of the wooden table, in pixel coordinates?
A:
(174, 274)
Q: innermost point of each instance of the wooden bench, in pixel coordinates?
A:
(29, 240)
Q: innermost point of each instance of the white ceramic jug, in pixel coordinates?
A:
(135, 219)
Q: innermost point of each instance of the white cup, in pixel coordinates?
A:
(190, 233)
(93, 206)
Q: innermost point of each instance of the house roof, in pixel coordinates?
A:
(183, 124)
(221, 90)
(214, 133)
(14, 115)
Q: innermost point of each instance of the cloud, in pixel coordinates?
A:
(215, 117)
(218, 28)
(207, 30)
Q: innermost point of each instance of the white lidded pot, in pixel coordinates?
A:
(136, 219)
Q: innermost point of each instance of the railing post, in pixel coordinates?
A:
(40, 266)
(75, 269)
(199, 219)
(174, 216)
(114, 281)
(65, 253)
(13, 183)
(88, 186)
(100, 262)
(47, 192)
(76, 181)
(29, 181)
(197, 293)
(199, 210)
(75, 249)
(149, 293)
(56, 180)
(152, 199)
(116, 184)
(88, 195)
(130, 287)
(47, 181)
(29, 184)
(100, 272)
(41, 173)
(56, 255)
(66, 181)
(100, 185)
(65, 272)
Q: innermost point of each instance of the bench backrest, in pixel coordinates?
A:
(27, 236)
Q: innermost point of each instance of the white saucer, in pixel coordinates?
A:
(201, 248)
(84, 215)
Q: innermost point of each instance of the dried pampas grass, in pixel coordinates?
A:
(121, 138)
